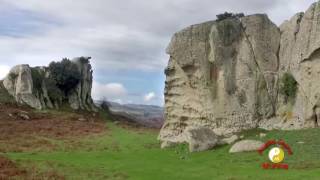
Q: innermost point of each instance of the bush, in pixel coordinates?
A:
(227, 15)
(105, 105)
(288, 87)
(54, 92)
(65, 74)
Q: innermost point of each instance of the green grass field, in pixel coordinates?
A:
(130, 154)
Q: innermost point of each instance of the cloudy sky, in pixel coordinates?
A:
(125, 38)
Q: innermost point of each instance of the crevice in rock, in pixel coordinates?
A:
(315, 116)
(257, 64)
(300, 16)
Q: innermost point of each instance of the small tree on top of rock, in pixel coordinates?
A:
(65, 74)
(228, 15)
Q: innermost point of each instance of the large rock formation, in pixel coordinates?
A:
(300, 55)
(31, 86)
(227, 75)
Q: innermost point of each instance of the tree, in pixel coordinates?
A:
(105, 105)
(227, 15)
(65, 73)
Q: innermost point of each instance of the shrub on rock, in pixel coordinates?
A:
(65, 74)
(288, 87)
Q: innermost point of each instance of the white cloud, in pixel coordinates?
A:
(118, 101)
(148, 97)
(111, 91)
(4, 70)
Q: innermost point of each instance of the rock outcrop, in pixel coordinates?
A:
(31, 86)
(80, 96)
(300, 55)
(227, 75)
(20, 85)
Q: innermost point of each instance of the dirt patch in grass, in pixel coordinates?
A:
(40, 130)
(9, 169)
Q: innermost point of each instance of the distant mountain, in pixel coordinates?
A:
(146, 115)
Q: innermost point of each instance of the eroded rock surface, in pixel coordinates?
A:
(300, 54)
(19, 84)
(225, 75)
(200, 139)
(80, 96)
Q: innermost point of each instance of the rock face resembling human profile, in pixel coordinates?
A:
(243, 72)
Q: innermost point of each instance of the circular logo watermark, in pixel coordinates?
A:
(276, 155)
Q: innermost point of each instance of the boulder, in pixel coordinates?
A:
(200, 139)
(23, 116)
(246, 146)
(19, 84)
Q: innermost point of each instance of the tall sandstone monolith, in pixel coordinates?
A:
(227, 75)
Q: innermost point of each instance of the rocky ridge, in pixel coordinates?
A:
(241, 73)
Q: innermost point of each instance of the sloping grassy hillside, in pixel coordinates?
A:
(126, 153)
